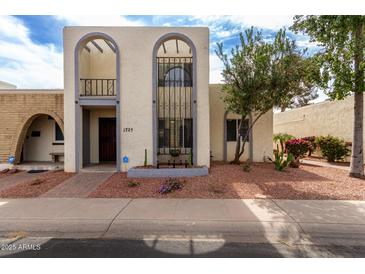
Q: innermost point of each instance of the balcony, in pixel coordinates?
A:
(98, 87)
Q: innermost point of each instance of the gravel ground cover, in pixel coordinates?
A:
(36, 186)
(230, 181)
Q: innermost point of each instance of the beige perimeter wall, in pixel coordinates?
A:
(334, 118)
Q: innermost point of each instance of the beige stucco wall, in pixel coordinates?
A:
(39, 148)
(261, 134)
(136, 47)
(95, 114)
(334, 118)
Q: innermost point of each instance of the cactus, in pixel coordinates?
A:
(190, 159)
(280, 161)
(145, 157)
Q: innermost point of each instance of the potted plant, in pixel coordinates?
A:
(175, 152)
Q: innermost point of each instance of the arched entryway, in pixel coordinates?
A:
(39, 138)
(97, 102)
(174, 99)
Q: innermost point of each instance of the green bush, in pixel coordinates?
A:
(332, 148)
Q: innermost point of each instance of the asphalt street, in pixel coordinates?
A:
(40, 247)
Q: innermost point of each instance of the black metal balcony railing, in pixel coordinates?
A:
(98, 87)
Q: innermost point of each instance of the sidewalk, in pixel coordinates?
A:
(289, 221)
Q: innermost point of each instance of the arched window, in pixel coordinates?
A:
(174, 101)
(177, 77)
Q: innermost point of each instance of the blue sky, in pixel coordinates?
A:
(31, 46)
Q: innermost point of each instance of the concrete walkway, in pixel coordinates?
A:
(80, 185)
(325, 164)
(289, 221)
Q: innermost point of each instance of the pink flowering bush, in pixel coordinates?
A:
(298, 148)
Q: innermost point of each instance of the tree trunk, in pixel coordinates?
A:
(237, 154)
(357, 165)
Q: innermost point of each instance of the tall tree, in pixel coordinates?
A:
(342, 62)
(259, 75)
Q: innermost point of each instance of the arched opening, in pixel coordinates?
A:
(40, 139)
(97, 94)
(175, 99)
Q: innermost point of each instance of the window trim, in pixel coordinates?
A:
(55, 141)
(238, 133)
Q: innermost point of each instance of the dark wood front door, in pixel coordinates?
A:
(107, 140)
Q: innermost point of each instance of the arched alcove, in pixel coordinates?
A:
(174, 99)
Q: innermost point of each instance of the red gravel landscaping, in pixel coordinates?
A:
(36, 186)
(230, 181)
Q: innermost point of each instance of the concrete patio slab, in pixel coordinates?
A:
(324, 212)
(80, 185)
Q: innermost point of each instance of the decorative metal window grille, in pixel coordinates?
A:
(174, 107)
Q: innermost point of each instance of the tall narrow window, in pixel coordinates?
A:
(174, 94)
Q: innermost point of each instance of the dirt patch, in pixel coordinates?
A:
(36, 186)
(230, 181)
(8, 171)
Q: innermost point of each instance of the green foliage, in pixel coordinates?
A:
(282, 138)
(332, 148)
(335, 35)
(259, 75)
(190, 159)
(175, 152)
(297, 147)
(281, 161)
(145, 157)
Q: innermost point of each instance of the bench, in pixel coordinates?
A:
(56, 155)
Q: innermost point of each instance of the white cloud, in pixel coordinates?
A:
(24, 63)
(216, 67)
(273, 22)
(99, 20)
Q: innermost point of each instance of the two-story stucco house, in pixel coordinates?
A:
(132, 96)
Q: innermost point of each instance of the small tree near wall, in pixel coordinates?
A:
(259, 75)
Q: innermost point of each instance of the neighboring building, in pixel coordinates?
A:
(5, 85)
(326, 118)
(127, 90)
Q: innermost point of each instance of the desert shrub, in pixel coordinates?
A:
(133, 184)
(298, 148)
(332, 148)
(282, 138)
(170, 185)
(281, 161)
(246, 166)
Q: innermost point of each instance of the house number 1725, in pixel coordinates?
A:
(128, 129)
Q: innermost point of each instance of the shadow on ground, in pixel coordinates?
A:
(119, 248)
